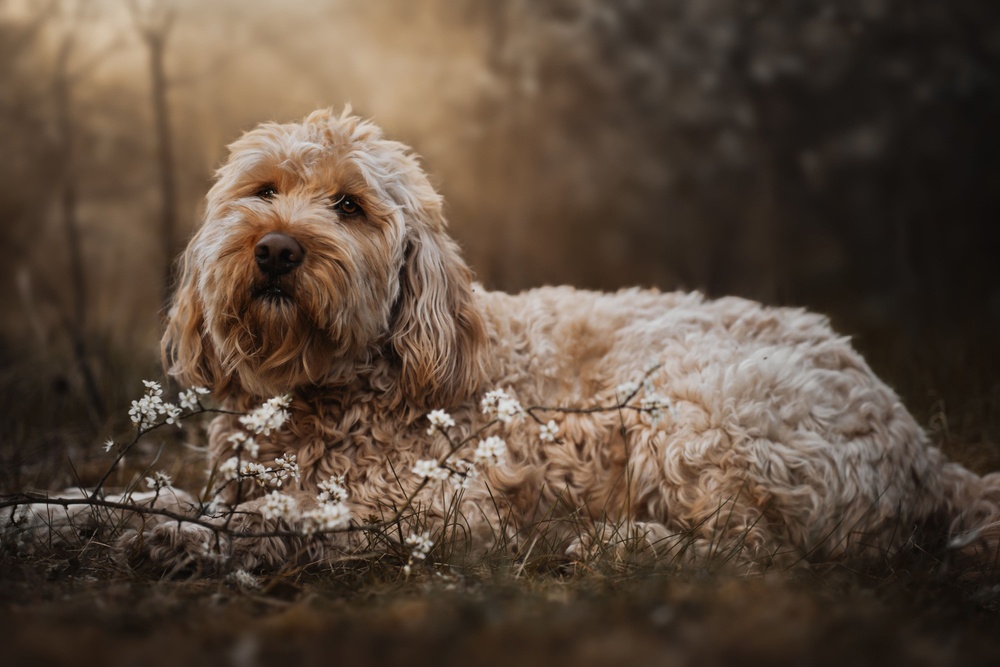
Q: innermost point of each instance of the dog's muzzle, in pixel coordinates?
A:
(277, 255)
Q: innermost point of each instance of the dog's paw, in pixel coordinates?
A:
(42, 526)
(185, 549)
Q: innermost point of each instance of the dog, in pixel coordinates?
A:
(323, 271)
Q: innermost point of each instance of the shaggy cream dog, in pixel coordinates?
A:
(323, 270)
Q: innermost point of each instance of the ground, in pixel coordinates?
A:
(68, 617)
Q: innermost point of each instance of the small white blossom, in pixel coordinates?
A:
(654, 405)
(654, 402)
(244, 580)
(548, 432)
(287, 467)
(501, 405)
(328, 516)
(268, 417)
(159, 480)
(461, 472)
(172, 412)
(430, 469)
(146, 411)
(227, 470)
(109, 444)
(263, 476)
(490, 451)
(188, 398)
(332, 490)
(278, 505)
(491, 399)
(420, 544)
(440, 420)
(626, 390)
(242, 442)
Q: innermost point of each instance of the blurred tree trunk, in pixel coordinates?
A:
(154, 24)
(77, 321)
(165, 153)
(68, 191)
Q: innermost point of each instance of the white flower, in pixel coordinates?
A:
(278, 505)
(172, 412)
(242, 442)
(654, 405)
(626, 390)
(507, 410)
(430, 469)
(139, 411)
(490, 451)
(548, 432)
(653, 402)
(109, 444)
(501, 405)
(159, 480)
(227, 470)
(188, 398)
(461, 473)
(268, 417)
(328, 516)
(287, 467)
(263, 476)
(332, 490)
(420, 544)
(243, 579)
(440, 420)
(491, 399)
(145, 411)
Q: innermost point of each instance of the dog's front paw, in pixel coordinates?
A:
(177, 549)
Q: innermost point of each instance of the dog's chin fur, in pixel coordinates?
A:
(308, 329)
(783, 441)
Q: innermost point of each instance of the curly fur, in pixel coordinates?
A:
(781, 440)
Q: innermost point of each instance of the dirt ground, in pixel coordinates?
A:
(58, 611)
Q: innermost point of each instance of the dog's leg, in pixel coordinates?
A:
(235, 538)
(41, 524)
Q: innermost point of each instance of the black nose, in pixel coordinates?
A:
(277, 254)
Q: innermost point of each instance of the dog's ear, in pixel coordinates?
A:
(186, 350)
(438, 333)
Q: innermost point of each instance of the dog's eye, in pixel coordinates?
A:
(266, 192)
(346, 205)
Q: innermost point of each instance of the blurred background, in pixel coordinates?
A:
(839, 155)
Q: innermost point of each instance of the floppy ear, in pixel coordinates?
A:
(186, 351)
(438, 333)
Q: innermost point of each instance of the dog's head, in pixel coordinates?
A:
(323, 249)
